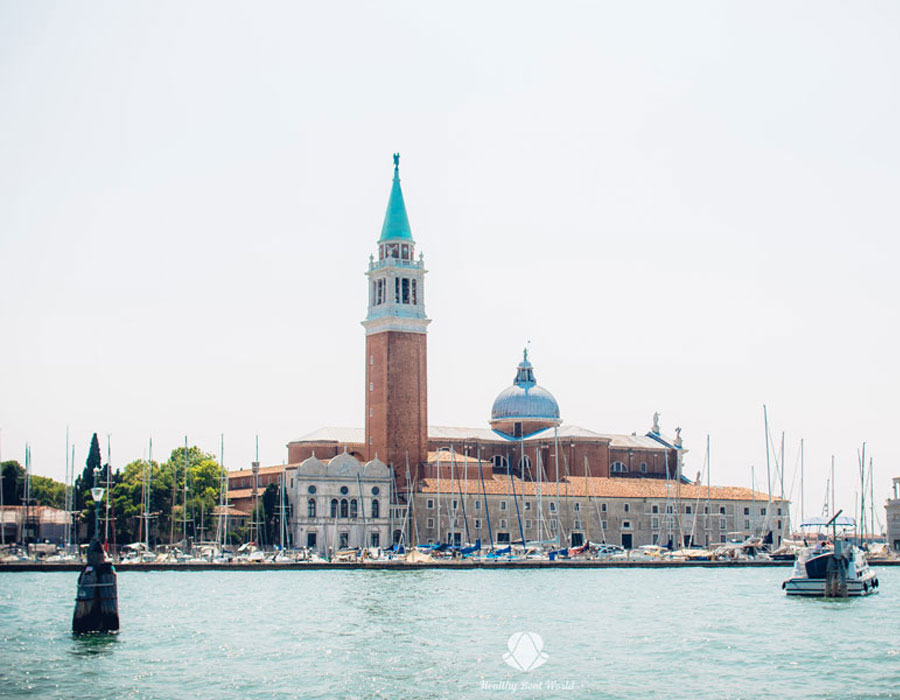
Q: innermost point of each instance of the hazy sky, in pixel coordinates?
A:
(689, 208)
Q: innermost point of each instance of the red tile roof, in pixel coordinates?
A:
(596, 487)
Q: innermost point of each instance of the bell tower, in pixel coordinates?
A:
(396, 378)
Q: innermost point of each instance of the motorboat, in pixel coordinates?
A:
(838, 572)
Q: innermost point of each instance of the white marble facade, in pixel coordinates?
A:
(341, 504)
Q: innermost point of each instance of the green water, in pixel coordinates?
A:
(674, 633)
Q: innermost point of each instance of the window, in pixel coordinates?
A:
(454, 504)
(502, 538)
(311, 540)
(499, 461)
(311, 490)
(371, 386)
(344, 490)
(627, 507)
(576, 524)
(527, 505)
(376, 508)
(414, 295)
(654, 523)
(746, 524)
(334, 507)
(618, 467)
(503, 522)
(722, 539)
(429, 503)
(345, 508)
(643, 467)
(371, 359)
(477, 523)
(375, 490)
(477, 505)
(669, 509)
(404, 297)
(527, 524)
(779, 511)
(655, 538)
(344, 540)
(552, 506)
(602, 507)
(502, 505)
(429, 523)
(721, 510)
(654, 509)
(722, 524)
(746, 511)
(311, 508)
(354, 508)
(778, 524)
(525, 462)
(762, 511)
(604, 525)
(396, 290)
(375, 539)
(626, 524)
(577, 507)
(687, 510)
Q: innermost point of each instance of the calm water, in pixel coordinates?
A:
(638, 633)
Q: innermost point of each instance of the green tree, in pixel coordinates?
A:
(47, 492)
(13, 482)
(204, 475)
(85, 480)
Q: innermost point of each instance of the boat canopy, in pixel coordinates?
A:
(842, 521)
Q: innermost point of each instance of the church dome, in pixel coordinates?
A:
(524, 408)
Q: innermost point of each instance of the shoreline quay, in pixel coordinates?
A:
(406, 566)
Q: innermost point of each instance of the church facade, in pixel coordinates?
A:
(526, 476)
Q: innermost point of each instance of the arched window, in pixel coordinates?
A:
(344, 507)
(525, 462)
(376, 509)
(499, 461)
(618, 467)
(334, 507)
(353, 508)
(311, 508)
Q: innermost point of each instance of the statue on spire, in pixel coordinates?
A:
(396, 160)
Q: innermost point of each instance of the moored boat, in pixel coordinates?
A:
(841, 572)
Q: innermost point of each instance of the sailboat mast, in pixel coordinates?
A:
(802, 485)
(108, 490)
(708, 489)
(833, 506)
(768, 465)
(872, 494)
(439, 496)
(184, 501)
(487, 510)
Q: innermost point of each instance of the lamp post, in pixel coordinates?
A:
(97, 495)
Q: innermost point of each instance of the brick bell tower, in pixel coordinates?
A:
(396, 379)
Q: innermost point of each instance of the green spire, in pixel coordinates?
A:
(396, 223)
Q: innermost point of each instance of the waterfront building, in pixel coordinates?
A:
(341, 504)
(892, 516)
(34, 523)
(455, 484)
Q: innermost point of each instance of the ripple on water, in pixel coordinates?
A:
(432, 634)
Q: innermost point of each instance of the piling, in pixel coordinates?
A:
(97, 602)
